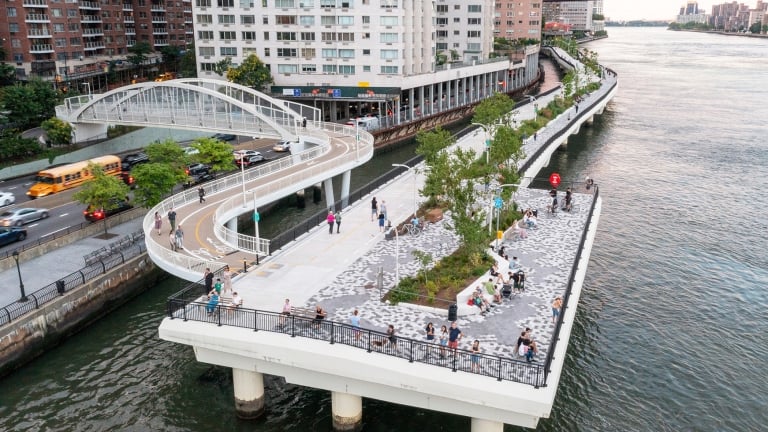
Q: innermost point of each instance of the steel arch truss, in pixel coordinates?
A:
(193, 103)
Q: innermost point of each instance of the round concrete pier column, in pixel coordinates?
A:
(482, 425)
(249, 393)
(347, 411)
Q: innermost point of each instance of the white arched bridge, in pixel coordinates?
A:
(323, 150)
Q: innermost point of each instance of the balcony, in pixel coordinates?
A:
(41, 66)
(93, 32)
(130, 31)
(127, 7)
(159, 30)
(159, 18)
(93, 46)
(161, 42)
(88, 5)
(130, 42)
(38, 33)
(90, 18)
(36, 3)
(41, 49)
(38, 18)
(128, 19)
(157, 8)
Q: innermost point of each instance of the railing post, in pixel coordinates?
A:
(410, 350)
(37, 304)
(184, 307)
(455, 359)
(255, 320)
(293, 325)
(218, 314)
(7, 313)
(498, 378)
(82, 276)
(333, 331)
(369, 341)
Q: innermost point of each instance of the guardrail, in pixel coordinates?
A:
(49, 292)
(415, 351)
(46, 238)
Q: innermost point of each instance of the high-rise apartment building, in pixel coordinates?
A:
(518, 19)
(576, 13)
(56, 39)
(362, 56)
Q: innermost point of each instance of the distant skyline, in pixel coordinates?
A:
(623, 10)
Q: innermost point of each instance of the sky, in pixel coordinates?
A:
(622, 10)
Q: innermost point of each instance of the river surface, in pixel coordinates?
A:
(671, 330)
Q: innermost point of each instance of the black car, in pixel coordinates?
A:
(224, 137)
(198, 173)
(93, 213)
(130, 161)
(10, 235)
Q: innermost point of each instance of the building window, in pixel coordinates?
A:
(389, 4)
(388, 37)
(287, 68)
(308, 52)
(285, 19)
(389, 70)
(307, 36)
(442, 33)
(228, 51)
(327, 36)
(11, 12)
(265, 20)
(286, 36)
(308, 68)
(249, 35)
(329, 69)
(206, 51)
(245, 4)
(366, 19)
(307, 3)
(266, 52)
(474, 8)
(473, 47)
(366, 52)
(388, 54)
(225, 3)
(307, 20)
(347, 53)
(204, 19)
(286, 52)
(266, 36)
(227, 35)
(442, 21)
(473, 33)
(389, 20)
(366, 68)
(285, 3)
(346, 69)
(226, 19)
(442, 46)
(442, 8)
(329, 53)
(474, 21)
(208, 67)
(247, 19)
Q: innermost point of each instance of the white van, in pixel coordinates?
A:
(365, 123)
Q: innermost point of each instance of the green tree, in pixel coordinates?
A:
(154, 181)
(495, 109)
(251, 73)
(14, 147)
(7, 74)
(188, 63)
(28, 103)
(104, 191)
(171, 55)
(432, 145)
(755, 28)
(167, 152)
(215, 153)
(59, 132)
(222, 67)
(138, 55)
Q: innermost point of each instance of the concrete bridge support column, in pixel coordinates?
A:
(329, 199)
(481, 425)
(591, 120)
(347, 411)
(249, 393)
(317, 193)
(232, 233)
(345, 180)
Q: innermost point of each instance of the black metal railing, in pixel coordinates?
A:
(38, 298)
(569, 287)
(45, 239)
(415, 351)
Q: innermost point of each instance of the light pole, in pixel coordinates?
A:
(256, 218)
(499, 188)
(88, 85)
(487, 142)
(415, 202)
(242, 171)
(15, 255)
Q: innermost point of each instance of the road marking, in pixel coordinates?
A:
(32, 226)
(62, 215)
(54, 232)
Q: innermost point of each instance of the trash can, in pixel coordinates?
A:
(60, 287)
(453, 312)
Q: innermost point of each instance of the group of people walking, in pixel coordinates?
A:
(176, 235)
(333, 218)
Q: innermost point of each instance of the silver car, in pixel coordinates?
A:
(6, 198)
(19, 217)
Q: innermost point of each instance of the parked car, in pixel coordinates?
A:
(93, 213)
(282, 146)
(7, 198)
(198, 173)
(238, 154)
(10, 235)
(224, 137)
(21, 216)
(250, 160)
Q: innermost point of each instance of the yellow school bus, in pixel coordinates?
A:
(71, 175)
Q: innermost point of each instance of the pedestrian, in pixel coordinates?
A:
(391, 336)
(383, 209)
(337, 218)
(355, 321)
(430, 331)
(208, 277)
(172, 219)
(454, 336)
(374, 208)
(226, 276)
(286, 312)
(330, 220)
(217, 287)
(172, 241)
(201, 194)
(179, 238)
(382, 218)
(514, 265)
(577, 108)
(443, 340)
(212, 303)
(557, 305)
(475, 356)
(535, 135)
(304, 122)
(158, 222)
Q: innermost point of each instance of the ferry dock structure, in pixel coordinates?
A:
(343, 272)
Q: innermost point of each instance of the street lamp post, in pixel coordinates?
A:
(499, 188)
(88, 85)
(415, 202)
(242, 172)
(15, 255)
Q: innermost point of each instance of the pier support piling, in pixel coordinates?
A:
(249, 393)
(482, 425)
(345, 180)
(347, 412)
(328, 186)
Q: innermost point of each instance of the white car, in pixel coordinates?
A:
(6, 198)
(239, 154)
(21, 216)
(189, 151)
(282, 146)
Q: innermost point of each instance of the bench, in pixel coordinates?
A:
(303, 312)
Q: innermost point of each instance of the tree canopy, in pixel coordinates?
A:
(58, 131)
(154, 180)
(251, 73)
(104, 191)
(27, 104)
(215, 153)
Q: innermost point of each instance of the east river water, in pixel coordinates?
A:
(671, 330)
